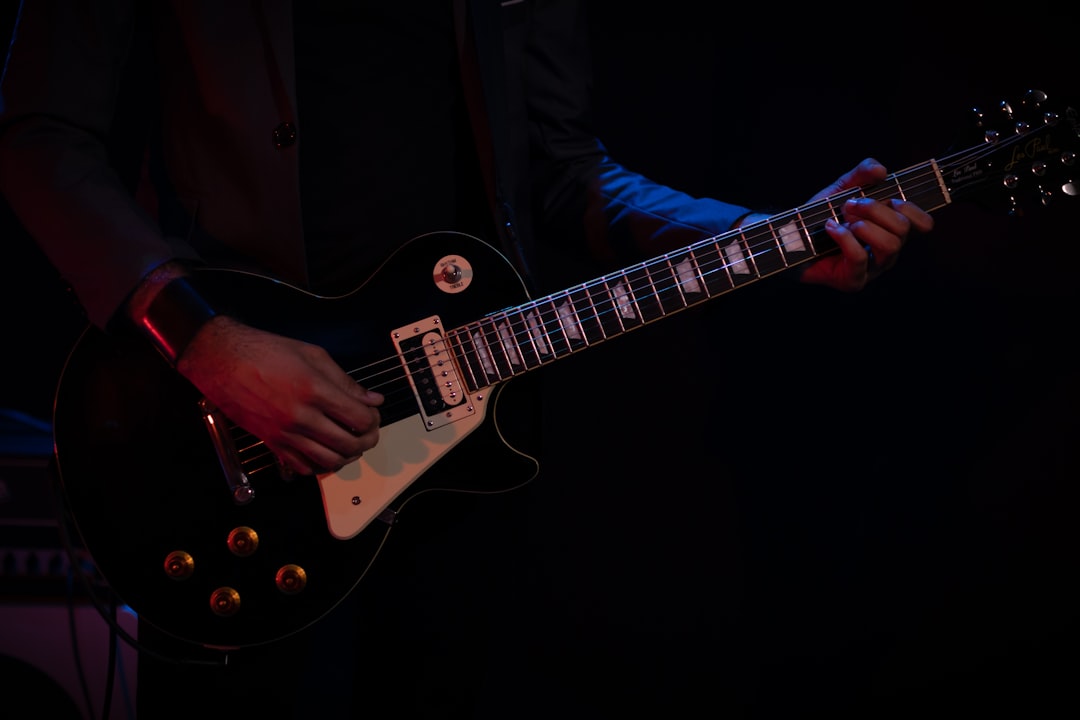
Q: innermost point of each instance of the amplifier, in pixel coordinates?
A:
(33, 560)
(54, 643)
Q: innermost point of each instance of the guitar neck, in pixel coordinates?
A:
(516, 340)
(1027, 150)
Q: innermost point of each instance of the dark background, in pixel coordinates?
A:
(795, 501)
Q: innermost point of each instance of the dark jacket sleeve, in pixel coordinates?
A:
(584, 193)
(58, 172)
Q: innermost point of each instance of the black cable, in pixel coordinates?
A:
(73, 632)
(110, 679)
(93, 588)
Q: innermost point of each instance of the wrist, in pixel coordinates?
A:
(172, 313)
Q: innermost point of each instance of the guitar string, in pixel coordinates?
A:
(657, 277)
(924, 178)
(808, 217)
(373, 376)
(760, 239)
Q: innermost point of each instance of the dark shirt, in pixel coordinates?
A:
(385, 148)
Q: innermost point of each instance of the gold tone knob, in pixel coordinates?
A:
(243, 541)
(224, 602)
(291, 579)
(179, 565)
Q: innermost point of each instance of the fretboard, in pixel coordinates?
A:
(519, 339)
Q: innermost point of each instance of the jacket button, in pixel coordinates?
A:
(284, 135)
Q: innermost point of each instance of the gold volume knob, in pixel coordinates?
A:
(291, 579)
(224, 602)
(179, 565)
(243, 541)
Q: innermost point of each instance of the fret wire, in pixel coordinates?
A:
(625, 301)
(621, 300)
(558, 323)
(613, 301)
(725, 265)
(750, 254)
(488, 360)
(513, 348)
(583, 316)
(801, 220)
(676, 287)
(579, 322)
(640, 301)
(899, 188)
(778, 242)
(736, 257)
(464, 362)
(696, 266)
(504, 361)
(677, 269)
(519, 345)
(528, 328)
(552, 331)
(595, 311)
(655, 292)
(568, 315)
(584, 312)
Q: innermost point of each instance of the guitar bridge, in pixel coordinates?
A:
(432, 373)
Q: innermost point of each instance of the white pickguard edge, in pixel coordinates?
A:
(357, 493)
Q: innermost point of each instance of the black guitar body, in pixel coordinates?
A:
(144, 482)
(150, 491)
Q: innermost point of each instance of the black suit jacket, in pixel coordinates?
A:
(227, 103)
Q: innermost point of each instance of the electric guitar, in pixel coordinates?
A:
(189, 519)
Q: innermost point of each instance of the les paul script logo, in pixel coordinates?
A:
(1033, 148)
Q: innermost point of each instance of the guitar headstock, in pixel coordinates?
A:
(1025, 155)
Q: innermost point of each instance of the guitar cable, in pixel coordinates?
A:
(73, 634)
(93, 585)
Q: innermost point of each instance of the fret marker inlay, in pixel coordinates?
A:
(736, 258)
(482, 351)
(687, 277)
(791, 238)
(506, 337)
(537, 334)
(569, 320)
(622, 301)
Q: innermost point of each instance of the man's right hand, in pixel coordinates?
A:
(290, 394)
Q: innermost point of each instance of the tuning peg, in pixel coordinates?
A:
(1031, 103)
(1044, 195)
(1034, 97)
(1069, 187)
(1014, 207)
(978, 117)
